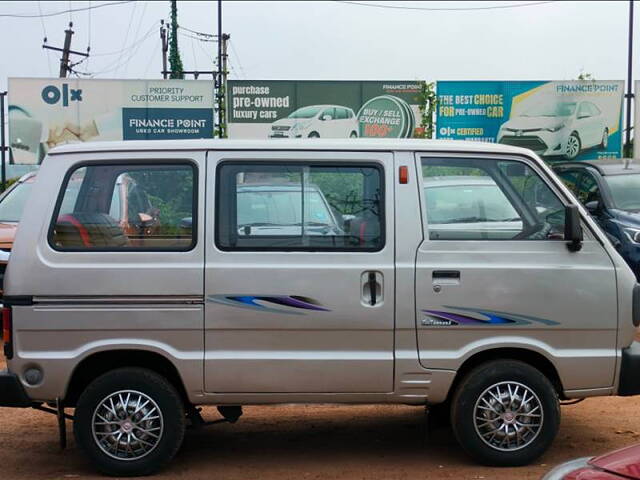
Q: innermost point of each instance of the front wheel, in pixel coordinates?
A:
(129, 422)
(505, 413)
(314, 135)
(574, 145)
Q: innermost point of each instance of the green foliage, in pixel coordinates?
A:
(343, 191)
(10, 181)
(586, 76)
(427, 101)
(175, 61)
(170, 191)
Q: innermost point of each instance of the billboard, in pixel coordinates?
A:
(558, 120)
(45, 112)
(321, 109)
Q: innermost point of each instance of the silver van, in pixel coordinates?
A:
(460, 276)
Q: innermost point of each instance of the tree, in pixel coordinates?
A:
(427, 101)
(175, 62)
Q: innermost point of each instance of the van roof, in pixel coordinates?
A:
(355, 144)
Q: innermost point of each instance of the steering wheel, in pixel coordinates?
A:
(537, 231)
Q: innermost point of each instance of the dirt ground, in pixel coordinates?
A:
(320, 442)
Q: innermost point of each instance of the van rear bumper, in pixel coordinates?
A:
(12, 392)
(630, 371)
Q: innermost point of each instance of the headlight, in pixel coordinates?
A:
(632, 234)
(560, 471)
(556, 128)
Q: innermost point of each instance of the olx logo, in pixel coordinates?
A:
(52, 94)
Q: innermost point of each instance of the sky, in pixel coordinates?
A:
(332, 40)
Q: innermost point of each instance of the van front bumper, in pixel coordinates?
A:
(12, 392)
(630, 371)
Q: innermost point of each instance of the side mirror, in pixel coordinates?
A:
(324, 118)
(572, 228)
(593, 207)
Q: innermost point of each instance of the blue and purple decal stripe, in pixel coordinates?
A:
(490, 317)
(257, 302)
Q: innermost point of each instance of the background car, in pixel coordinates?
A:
(617, 465)
(315, 121)
(559, 128)
(274, 209)
(610, 191)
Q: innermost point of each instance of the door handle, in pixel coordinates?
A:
(372, 288)
(447, 274)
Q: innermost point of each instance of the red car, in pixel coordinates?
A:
(617, 465)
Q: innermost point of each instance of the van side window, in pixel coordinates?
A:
(299, 207)
(125, 207)
(478, 199)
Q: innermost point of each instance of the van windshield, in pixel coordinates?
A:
(306, 112)
(625, 191)
(13, 204)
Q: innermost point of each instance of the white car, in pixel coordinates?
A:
(561, 128)
(315, 121)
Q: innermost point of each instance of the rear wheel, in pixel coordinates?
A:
(129, 422)
(505, 413)
(314, 135)
(353, 135)
(605, 139)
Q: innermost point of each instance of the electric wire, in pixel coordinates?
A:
(237, 58)
(132, 45)
(62, 12)
(132, 51)
(47, 53)
(144, 11)
(126, 36)
(445, 9)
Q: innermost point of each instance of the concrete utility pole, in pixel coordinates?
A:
(165, 48)
(223, 89)
(66, 51)
(218, 82)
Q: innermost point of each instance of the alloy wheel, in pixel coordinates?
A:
(127, 425)
(508, 416)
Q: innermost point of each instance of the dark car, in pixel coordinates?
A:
(610, 191)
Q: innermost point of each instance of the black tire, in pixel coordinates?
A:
(314, 135)
(353, 135)
(467, 398)
(151, 385)
(605, 139)
(573, 152)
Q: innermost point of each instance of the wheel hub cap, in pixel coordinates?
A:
(127, 425)
(508, 416)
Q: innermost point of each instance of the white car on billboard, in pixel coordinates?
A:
(559, 128)
(317, 121)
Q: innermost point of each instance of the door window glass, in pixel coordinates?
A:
(330, 112)
(120, 207)
(341, 113)
(589, 190)
(471, 199)
(304, 207)
(571, 179)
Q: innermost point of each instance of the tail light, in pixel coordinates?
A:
(7, 332)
